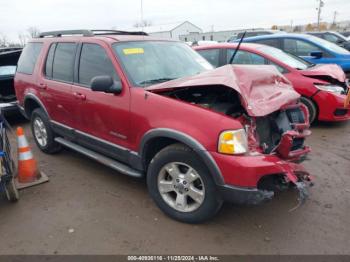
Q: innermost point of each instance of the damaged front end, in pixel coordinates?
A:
(275, 123)
(282, 134)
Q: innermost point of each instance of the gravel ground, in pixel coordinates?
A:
(87, 208)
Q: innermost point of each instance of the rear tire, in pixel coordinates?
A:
(311, 107)
(11, 191)
(42, 132)
(181, 186)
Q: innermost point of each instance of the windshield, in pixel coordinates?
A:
(7, 70)
(151, 62)
(328, 45)
(288, 59)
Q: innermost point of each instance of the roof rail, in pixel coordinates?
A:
(85, 32)
(117, 32)
(66, 32)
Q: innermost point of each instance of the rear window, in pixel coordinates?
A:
(63, 62)
(29, 56)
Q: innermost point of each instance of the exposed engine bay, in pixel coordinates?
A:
(265, 131)
(217, 98)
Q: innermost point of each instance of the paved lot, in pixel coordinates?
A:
(87, 208)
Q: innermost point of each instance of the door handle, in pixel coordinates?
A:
(42, 86)
(79, 96)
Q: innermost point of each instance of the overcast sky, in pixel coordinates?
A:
(17, 15)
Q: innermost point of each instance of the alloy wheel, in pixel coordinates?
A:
(181, 187)
(40, 132)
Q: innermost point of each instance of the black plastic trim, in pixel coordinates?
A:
(244, 196)
(36, 99)
(187, 140)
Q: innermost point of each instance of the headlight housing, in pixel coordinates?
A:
(330, 88)
(233, 142)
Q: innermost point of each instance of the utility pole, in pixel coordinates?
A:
(335, 17)
(142, 14)
(319, 10)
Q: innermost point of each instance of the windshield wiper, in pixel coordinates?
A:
(155, 81)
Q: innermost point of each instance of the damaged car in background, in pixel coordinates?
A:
(8, 64)
(199, 135)
(323, 87)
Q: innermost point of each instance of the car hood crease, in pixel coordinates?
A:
(263, 88)
(332, 70)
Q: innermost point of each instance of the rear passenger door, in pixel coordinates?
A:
(103, 117)
(56, 85)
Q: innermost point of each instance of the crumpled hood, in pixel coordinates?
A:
(263, 88)
(331, 70)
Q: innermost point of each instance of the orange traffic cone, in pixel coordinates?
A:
(28, 173)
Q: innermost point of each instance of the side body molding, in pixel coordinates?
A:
(187, 140)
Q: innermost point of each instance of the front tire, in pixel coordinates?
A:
(311, 107)
(181, 186)
(42, 132)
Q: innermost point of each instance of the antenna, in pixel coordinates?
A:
(237, 48)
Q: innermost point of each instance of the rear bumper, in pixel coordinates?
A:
(331, 106)
(9, 108)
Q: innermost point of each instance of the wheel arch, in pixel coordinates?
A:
(156, 139)
(32, 102)
(311, 99)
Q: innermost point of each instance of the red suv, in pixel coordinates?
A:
(155, 108)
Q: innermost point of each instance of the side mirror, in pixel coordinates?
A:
(106, 84)
(316, 54)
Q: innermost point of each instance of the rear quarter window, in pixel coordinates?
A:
(63, 62)
(28, 58)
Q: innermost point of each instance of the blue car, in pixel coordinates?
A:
(308, 47)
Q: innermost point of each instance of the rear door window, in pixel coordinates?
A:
(271, 42)
(63, 63)
(245, 58)
(299, 47)
(29, 57)
(211, 55)
(49, 61)
(94, 61)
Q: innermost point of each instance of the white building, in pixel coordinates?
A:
(172, 31)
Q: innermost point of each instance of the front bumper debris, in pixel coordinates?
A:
(294, 175)
(244, 196)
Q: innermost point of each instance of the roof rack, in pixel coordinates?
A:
(85, 32)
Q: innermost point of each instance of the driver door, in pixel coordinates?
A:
(103, 117)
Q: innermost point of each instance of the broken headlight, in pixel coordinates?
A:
(330, 88)
(233, 142)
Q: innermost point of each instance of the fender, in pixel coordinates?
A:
(190, 142)
(36, 99)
